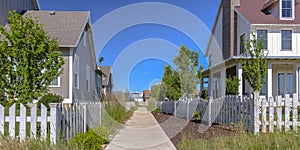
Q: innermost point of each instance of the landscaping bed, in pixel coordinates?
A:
(190, 129)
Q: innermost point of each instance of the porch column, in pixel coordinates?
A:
(269, 81)
(240, 77)
(210, 85)
(222, 82)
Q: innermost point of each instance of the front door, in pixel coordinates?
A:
(285, 83)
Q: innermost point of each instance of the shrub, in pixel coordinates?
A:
(151, 105)
(89, 140)
(50, 98)
(232, 86)
(204, 94)
(197, 116)
(157, 110)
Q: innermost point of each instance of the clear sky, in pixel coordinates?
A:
(139, 37)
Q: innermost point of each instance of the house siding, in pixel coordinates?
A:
(242, 28)
(18, 5)
(63, 90)
(274, 40)
(83, 51)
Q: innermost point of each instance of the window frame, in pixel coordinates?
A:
(58, 83)
(291, 40)
(87, 77)
(76, 71)
(265, 38)
(292, 17)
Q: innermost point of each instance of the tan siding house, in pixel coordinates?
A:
(81, 77)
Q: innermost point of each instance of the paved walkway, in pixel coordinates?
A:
(141, 132)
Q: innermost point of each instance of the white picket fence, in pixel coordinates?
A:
(64, 121)
(256, 114)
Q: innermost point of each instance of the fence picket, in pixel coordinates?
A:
(2, 119)
(23, 120)
(287, 112)
(264, 115)
(279, 113)
(12, 120)
(295, 111)
(271, 115)
(33, 120)
(43, 122)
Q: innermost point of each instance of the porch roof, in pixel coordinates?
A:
(235, 59)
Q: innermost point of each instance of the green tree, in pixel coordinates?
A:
(186, 63)
(28, 57)
(171, 82)
(232, 86)
(155, 91)
(254, 62)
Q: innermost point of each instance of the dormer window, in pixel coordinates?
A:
(287, 9)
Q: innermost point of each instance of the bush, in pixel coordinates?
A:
(151, 105)
(232, 86)
(89, 140)
(204, 94)
(157, 110)
(50, 98)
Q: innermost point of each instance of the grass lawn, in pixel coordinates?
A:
(288, 140)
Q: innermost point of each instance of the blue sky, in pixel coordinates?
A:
(138, 53)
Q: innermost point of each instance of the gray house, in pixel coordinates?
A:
(107, 80)
(81, 79)
(18, 5)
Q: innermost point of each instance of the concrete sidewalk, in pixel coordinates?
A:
(141, 132)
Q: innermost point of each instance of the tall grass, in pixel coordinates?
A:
(241, 141)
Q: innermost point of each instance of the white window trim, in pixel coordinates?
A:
(58, 83)
(77, 71)
(267, 35)
(282, 29)
(293, 11)
(88, 77)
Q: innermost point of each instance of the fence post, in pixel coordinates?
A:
(254, 110)
(84, 117)
(12, 121)
(175, 109)
(2, 119)
(54, 123)
(209, 111)
(295, 111)
(187, 110)
(287, 112)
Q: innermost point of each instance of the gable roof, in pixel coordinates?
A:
(66, 26)
(252, 11)
(36, 4)
(107, 73)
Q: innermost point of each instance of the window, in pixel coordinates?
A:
(87, 77)
(290, 82)
(263, 34)
(76, 72)
(242, 42)
(286, 9)
(55, 82)
(281, 84)
(286, 40)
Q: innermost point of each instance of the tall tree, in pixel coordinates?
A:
(254, 62)
(186, 65)
(28, 57)
(171, 82)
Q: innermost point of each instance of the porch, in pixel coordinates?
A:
(283, 77)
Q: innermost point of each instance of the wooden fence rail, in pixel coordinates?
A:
(60, 121)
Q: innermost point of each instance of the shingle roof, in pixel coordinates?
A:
(66, 26)
(106, 71)
(251, 10)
